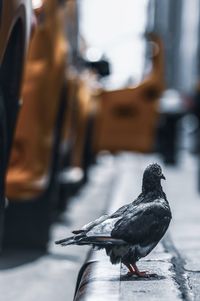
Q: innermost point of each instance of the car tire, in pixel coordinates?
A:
(3, 160)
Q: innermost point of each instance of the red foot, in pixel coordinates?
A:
(143, 274)
(133, 270)
(129, 274)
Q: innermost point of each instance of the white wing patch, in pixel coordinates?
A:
(103, 229)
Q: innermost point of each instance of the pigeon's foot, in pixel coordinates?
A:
(129, 274)
(143, 274)
(133, 270)
(146, 274)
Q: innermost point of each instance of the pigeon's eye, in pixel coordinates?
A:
(159, 172)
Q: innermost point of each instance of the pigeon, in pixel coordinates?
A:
(134, 230)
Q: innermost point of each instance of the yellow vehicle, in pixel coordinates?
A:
(126, 119)
(30, 185)
(15, 27)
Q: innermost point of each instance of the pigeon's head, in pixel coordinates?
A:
(152, 177)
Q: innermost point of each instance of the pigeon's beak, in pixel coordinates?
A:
(163, 177)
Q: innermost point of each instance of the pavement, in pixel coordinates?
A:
(31, 276)
(34, 276)
(184, 240)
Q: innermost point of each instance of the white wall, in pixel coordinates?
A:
(187, 69)
(116, 28)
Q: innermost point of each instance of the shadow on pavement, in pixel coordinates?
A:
(13, 258)
(68, 257)
(135, 278)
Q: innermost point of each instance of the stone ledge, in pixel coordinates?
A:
(102, 281)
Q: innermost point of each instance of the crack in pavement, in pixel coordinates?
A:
(180, 275)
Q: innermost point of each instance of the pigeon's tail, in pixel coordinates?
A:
(98, 241)
(66, 241)
(79, 239)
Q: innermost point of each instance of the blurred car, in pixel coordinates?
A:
(15, 27)
(76, 142)
(31, 185)
(126, 119)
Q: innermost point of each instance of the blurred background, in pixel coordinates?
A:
(103, 82)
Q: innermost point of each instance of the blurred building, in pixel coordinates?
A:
(178, 23)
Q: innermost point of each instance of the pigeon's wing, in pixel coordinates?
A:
(102, 218)
(92, 224)
(145, 225)
(96, 234)
(100, 235)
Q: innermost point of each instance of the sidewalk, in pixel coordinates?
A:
(185, 228)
